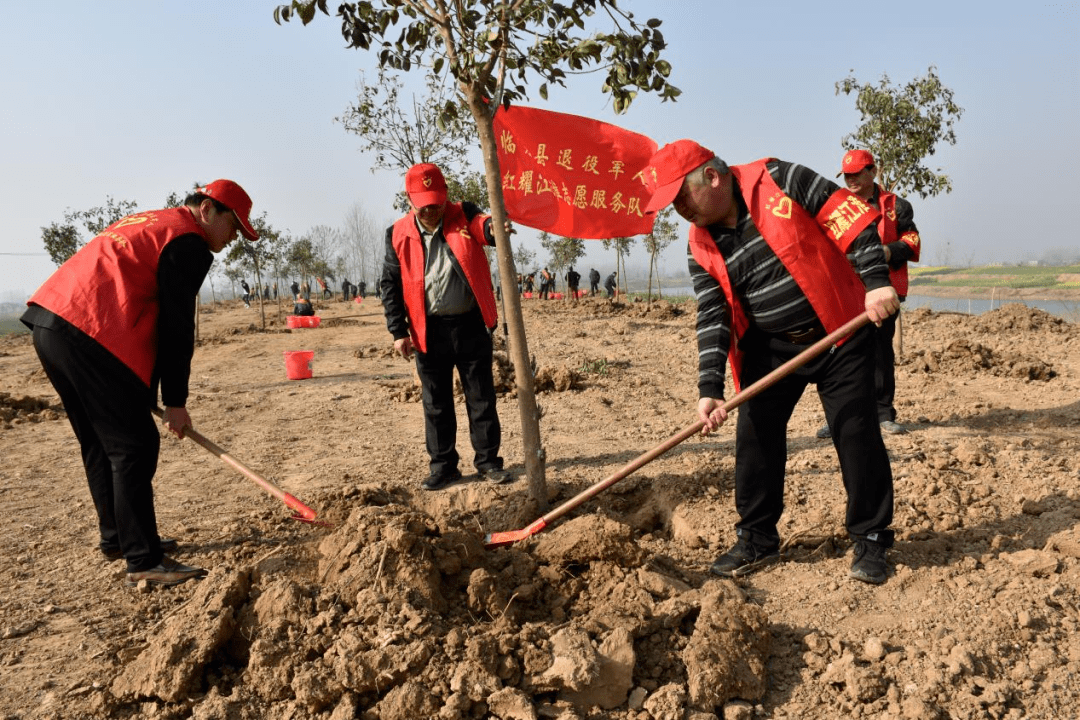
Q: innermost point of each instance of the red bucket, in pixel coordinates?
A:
(311, 321)
(293, 321)
(298, 364)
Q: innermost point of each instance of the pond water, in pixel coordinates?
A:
(1065, 309)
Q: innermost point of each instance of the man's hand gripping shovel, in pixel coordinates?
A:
(512, 536)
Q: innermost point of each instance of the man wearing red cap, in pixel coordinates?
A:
(438, 300)
(902, 245)
(780, 257)
(111, 324)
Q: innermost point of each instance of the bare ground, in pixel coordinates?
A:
(398, 611)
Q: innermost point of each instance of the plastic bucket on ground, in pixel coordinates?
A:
(298, 364)
(293, 321)
(311, 321)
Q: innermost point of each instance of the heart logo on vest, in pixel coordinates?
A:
(427, 182)
(783, 208)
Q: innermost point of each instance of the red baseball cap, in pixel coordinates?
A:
(425, 185)
(667, 169)
(233, 197)
(855, 161)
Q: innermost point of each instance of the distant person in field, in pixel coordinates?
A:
(362, 289)
(594, 282)
(246, 297)
(302, 306)
(902, 245)
(573, 280)
(611, 285)
(111, 325)
(545, 284)
(345, 287)
(438, 301)
(780, 257)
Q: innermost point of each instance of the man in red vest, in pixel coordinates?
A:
(111, 324)
(438, 300)
(902, 245)
(780, 257)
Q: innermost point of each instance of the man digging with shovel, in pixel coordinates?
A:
(108, 325)
(772, 249)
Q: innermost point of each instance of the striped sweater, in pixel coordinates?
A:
(769, 295)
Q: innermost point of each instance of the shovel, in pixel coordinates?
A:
(301, 511)
(509, 537)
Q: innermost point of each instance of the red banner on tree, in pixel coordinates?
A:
(572, 176)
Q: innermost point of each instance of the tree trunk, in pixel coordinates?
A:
(622, 275)
(652, 263)
(259, 287)
(519, 348)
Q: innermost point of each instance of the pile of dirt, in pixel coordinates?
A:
(984, 344)
(14, 410)
(411, 620)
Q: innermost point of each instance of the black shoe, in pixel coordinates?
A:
(496, 476)
(167, 572)
(438, 482)
(742, 559)
(893, 428)
(824, 432)
(168, 545)
(868, 562)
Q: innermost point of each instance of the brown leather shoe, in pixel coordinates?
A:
(168, 545)
(167, 572)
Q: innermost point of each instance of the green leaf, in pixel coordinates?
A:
(307, 12)
(544, 91)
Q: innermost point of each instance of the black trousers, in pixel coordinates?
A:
(462, 342)
(885, 369)
(845, 382)
(109, 410)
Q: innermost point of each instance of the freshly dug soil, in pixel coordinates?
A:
(397, 611)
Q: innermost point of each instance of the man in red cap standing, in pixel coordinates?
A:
(780, 256)
(902, 245)
(111, 324)
(438, 300)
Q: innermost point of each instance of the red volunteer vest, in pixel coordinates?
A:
(812, 250)
(887, 230)
(461, 235)
(109, 288)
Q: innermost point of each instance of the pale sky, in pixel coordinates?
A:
(135, 100)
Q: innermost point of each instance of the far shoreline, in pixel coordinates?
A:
(996, 293)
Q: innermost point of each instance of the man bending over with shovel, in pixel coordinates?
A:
(771, 253)
(111, 323)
